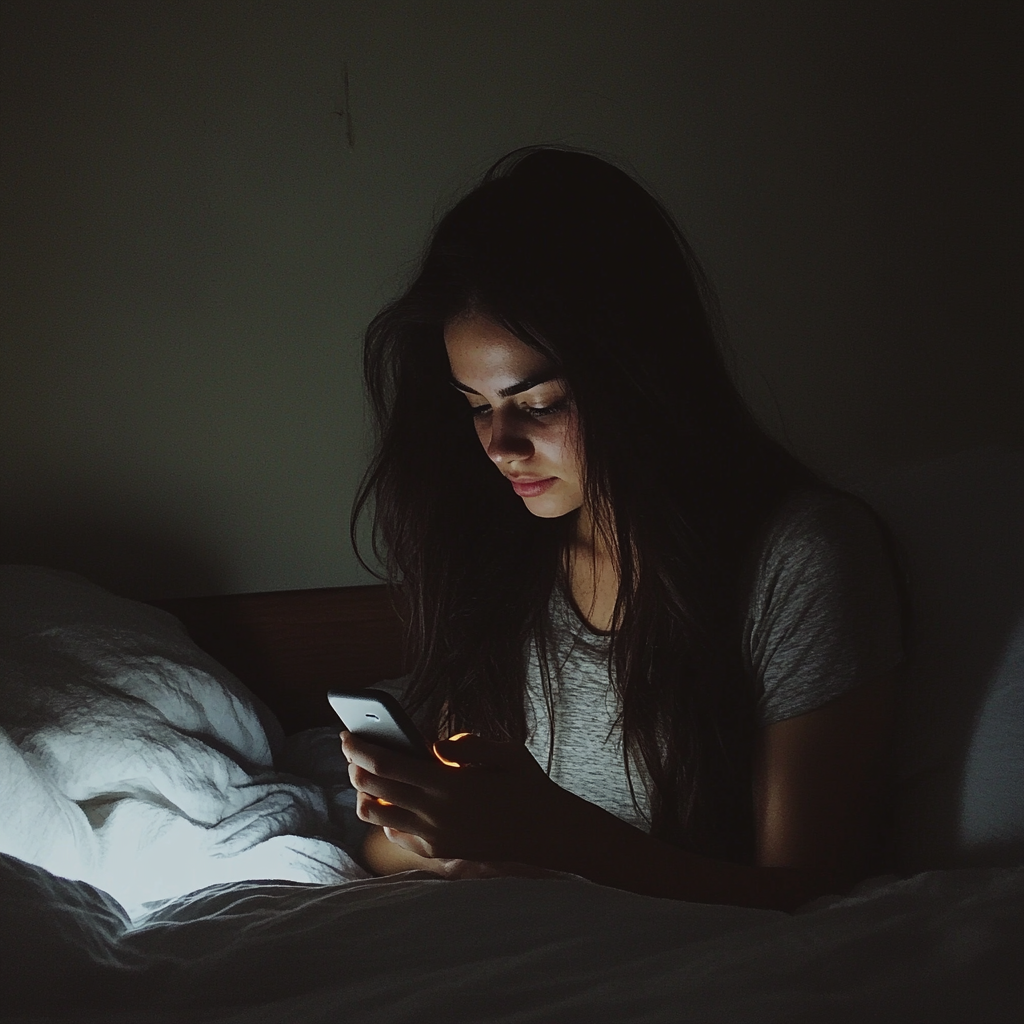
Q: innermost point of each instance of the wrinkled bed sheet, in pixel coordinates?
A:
(131, 760)
(943, 946)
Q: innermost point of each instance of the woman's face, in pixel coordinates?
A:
(522, 413)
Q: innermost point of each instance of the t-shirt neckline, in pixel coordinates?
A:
(565, 593)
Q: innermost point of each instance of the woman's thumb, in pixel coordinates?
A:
(465, 750)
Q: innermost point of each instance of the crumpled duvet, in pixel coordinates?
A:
(131, 760)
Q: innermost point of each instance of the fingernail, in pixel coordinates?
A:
(445, 760)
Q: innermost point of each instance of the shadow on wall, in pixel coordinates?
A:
(135, 560)
(960, 523)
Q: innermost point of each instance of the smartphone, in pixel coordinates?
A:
(375, 716)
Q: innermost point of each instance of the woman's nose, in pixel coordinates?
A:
(508, 441)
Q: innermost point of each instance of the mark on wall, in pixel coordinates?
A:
(344, 109)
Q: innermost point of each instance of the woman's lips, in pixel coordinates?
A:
(531, 488)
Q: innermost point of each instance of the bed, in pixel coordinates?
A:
(176, 833)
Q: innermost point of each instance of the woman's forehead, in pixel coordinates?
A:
(481, 350)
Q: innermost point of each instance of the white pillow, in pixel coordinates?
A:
(36, 601)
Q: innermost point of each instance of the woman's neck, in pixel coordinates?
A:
(591, 541)
(593, 575)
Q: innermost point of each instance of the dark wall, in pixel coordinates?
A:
(198, 220)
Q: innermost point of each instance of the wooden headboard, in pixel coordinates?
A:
(291, 646)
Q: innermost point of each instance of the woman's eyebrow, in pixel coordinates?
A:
(514, 389)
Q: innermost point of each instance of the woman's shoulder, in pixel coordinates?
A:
(817, 522)
(818, 540)
(814, 505)
(823, 610)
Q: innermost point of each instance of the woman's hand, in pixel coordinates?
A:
(476, 800)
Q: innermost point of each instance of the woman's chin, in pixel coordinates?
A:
(546, 506)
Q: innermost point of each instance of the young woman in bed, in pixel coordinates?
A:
(664, 652)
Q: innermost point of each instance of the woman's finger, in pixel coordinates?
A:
(388, 763)
(388, 790)
(468, 750)
(408, 841)
(389, 816)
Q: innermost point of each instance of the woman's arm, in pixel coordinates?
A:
(821, 781)
(819, 784)
(816, 782)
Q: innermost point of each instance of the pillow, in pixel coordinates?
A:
(959, 521)
(133, 761)
(91, 625)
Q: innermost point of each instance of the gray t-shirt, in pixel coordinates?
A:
(822, 616)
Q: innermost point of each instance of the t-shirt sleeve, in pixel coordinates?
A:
(824, 614)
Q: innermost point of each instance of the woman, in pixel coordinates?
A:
(662, 650)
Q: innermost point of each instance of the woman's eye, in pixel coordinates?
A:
(538, 412)
(547, 410)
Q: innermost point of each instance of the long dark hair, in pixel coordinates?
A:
(576, 259)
